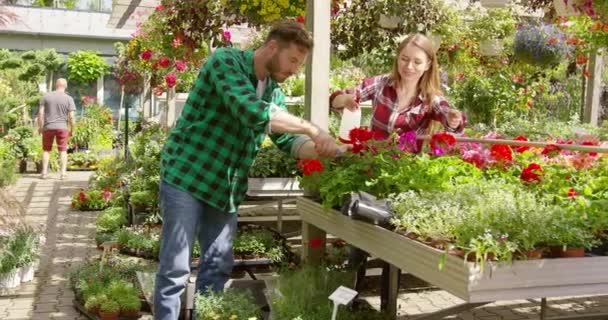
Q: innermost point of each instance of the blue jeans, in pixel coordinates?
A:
(184, 218)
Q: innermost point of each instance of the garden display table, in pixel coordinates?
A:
(269, 193)
(526, 279)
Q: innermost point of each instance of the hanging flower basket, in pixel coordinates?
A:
(492, 47)
(565, 8)
(543, 45)
(389, 22)
(494, 3)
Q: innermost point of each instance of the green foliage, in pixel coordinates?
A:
(85, 66)
(143, 199)
(111, 219)
(272, 162)
(226, 305)
(493, 24)
(259, 243)
(144, 242)
(109, 306)
(94, 129)
(318, 282)
(355, 30)
(8, 174)
(82, 160)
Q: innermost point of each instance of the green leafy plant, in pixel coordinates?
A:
(143, 200)
(259, 242)
(85, 66)
(272, 162)
(226, 305)
(493, 24)
(139, 241)
(82, 160)
(111, 219)
(109, 306)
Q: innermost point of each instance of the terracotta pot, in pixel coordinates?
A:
(108, 315)
(530, 254)
(573, 253)
(556, 251)
(93, 311)
(456, 252)
(412, 236)
(129, 313)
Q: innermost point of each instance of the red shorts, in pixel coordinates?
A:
(60, 135)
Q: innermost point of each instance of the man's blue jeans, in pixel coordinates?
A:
(184, 219)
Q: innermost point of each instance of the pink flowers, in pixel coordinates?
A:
(180, 65)
(227, 36)
(171, 80)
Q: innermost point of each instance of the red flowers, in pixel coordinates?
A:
(82, 197)
(442, 143)
(316, 243)
(308, 166)
(501, 152)
(359, 136)
(551, 150)
(521, 149)
(164, 62)
(532, 173)
(572, 192)
(300, 19)
(171, 79)
(146, 55)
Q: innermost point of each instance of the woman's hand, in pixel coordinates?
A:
(454, 119)
(347, 101)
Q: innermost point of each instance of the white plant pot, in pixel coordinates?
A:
(14, 278)
(564, 10)
(494, 3)
(27, 273)
(492, 47)
(389, 22)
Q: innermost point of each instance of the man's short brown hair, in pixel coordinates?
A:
(287, 32)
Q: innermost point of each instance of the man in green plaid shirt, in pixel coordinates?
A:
(234, 104)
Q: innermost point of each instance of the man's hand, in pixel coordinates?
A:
(347, 101)
(454, 119)
(325, 145)
(40, 130)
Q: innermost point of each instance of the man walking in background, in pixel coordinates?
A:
(56, 108)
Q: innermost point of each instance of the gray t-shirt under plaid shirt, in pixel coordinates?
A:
(215, 141)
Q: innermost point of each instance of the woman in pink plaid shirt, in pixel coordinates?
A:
(407, 99)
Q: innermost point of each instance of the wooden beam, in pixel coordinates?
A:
(317, 66)
(593, 91)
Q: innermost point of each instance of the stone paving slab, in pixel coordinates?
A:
(70, 240)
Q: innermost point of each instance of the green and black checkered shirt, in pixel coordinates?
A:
(215, 141)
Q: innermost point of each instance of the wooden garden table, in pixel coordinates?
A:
(520, 280)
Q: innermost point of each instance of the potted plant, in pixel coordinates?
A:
(272, 171)
(542, 45)
(491, 28)
(229, 304)
(109, 310)
(130, 306)
(143, 201)
(93, 303)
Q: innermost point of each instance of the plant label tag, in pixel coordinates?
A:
(343, 295)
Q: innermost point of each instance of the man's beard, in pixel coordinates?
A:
(273, 67)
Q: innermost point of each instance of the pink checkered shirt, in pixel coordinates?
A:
(385, 117)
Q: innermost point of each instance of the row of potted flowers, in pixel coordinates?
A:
(496, 200)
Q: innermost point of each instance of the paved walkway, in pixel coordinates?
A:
(70, 240)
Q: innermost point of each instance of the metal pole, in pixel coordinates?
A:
(126, 132)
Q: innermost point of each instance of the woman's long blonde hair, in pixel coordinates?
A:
(429, 84)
